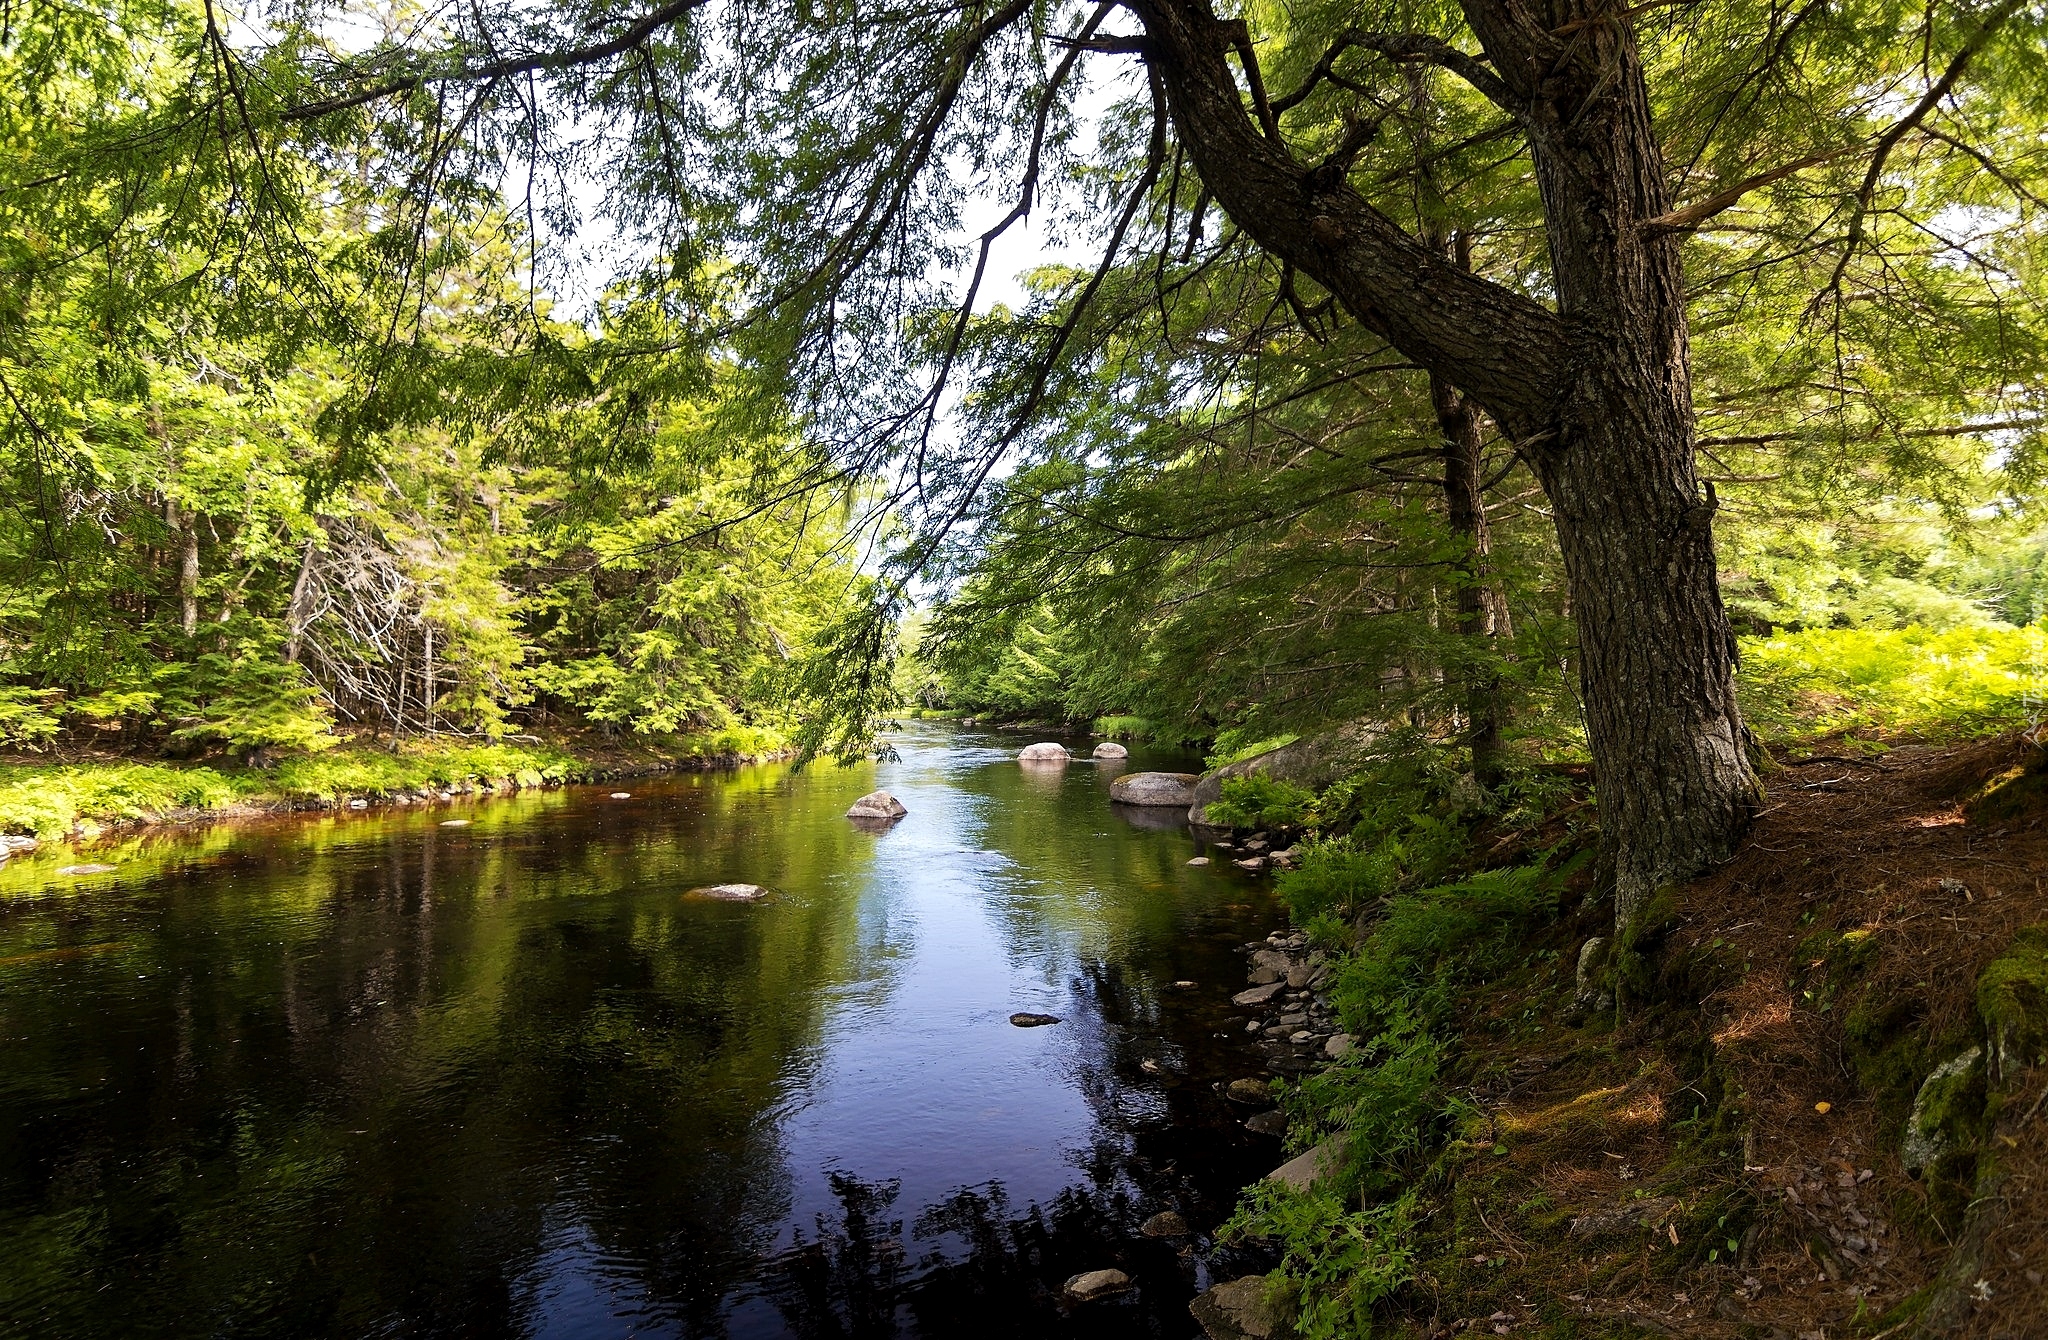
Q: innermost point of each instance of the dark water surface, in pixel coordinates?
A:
(373, 1075)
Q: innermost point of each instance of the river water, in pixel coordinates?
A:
(375, 1074)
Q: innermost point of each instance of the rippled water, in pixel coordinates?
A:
(374, 1075)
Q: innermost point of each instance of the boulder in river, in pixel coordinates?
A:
(1110, 749)
(877, 805)
(729, 893)
(1245, 1309)
(1024, 1019)
(1047, 751)
(1090, 1285)
(1313, 761)
(1163, 789)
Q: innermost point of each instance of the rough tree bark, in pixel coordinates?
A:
(1596, 394)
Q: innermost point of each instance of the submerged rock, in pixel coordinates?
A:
(1244, 1309)
(1023, 1019)
(90, 868)
(729, 893)
(1045, 752)
(1270, 1122)
(1110, 749)
(1093, 1284)
(1164, 789)
(1165, 1224)
(877, 805)
(1256, 1092)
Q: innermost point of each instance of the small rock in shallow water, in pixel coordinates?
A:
(1093, 1284)
(877, 805)
(1255, 864)
(455, 823)
(1270, 1122)
(359, 804)
(622, 795)
(1253, 1091)
(1199, 860)
(729, 893)
(1258, 995)
(88, 869)
(1024, 1020)
(1243, 1310)
(1165, 1224)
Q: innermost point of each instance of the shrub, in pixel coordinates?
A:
(1888, 682)
(1258, 801)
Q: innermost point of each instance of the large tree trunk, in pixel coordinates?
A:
(1597, 393)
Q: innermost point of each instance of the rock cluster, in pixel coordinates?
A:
(1257, 853)
(1293, 1017)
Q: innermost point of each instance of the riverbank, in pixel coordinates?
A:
(82, 797)
(1815, 1110)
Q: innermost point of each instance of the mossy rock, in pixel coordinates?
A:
(2014, 794)
(1947, 1112)
(2012, 1000)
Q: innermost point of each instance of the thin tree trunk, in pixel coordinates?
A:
(1480, 616)
(430, 679)
(186, 528)
(295, 609)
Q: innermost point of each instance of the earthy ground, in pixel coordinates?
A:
(1726, 1162)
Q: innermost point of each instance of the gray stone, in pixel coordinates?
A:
(1927, 1133)
(877, 805)
(1264, 976)
(1293, 1018)
(1199, 860)
(1022, 1019)
(1305, 1170)
(1258, 995)
(1274, 959)
(359, 804)
(455, 823)
(1093, 1284)
(1244, 1309)
(622, 795)
(729, 893)
(1339, 1047)
(16, 843)
(1109, 749)
(1255, 864)
(1163, 789)
(1587, 993)
(1045, 752)
(90, 868)
(1165, 1224)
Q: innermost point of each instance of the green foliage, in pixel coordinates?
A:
(1344, 875)
(47, 802)
(1255, 800)
(1337, 1261)
(1880, 683)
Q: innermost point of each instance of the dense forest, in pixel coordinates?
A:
(1591, 408)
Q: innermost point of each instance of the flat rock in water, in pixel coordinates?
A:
(1270, 1122)
(1255, 864)
(1304, 1171)
(729, 893)
(1110, 749)
(91, 868)
(1258, 995)
(1165, 1224)
(1164, 789)
(1092, 1284)
(622, 795)
(1046, 752)
(877, 805)
(455, 823)
(1243, 1310)
(1026, 1020)
(1199, 860)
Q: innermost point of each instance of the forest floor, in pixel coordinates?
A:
(1727, 1161)
(88, 790)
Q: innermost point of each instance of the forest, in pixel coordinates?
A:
(1599, 411)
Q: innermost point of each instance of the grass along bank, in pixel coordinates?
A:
(58, 799)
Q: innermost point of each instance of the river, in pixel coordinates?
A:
(380, 1074)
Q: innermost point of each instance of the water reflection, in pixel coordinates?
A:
(372, 1074)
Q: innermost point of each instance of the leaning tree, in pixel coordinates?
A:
(803, 174)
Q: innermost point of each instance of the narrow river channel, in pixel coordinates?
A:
(377, 1074)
